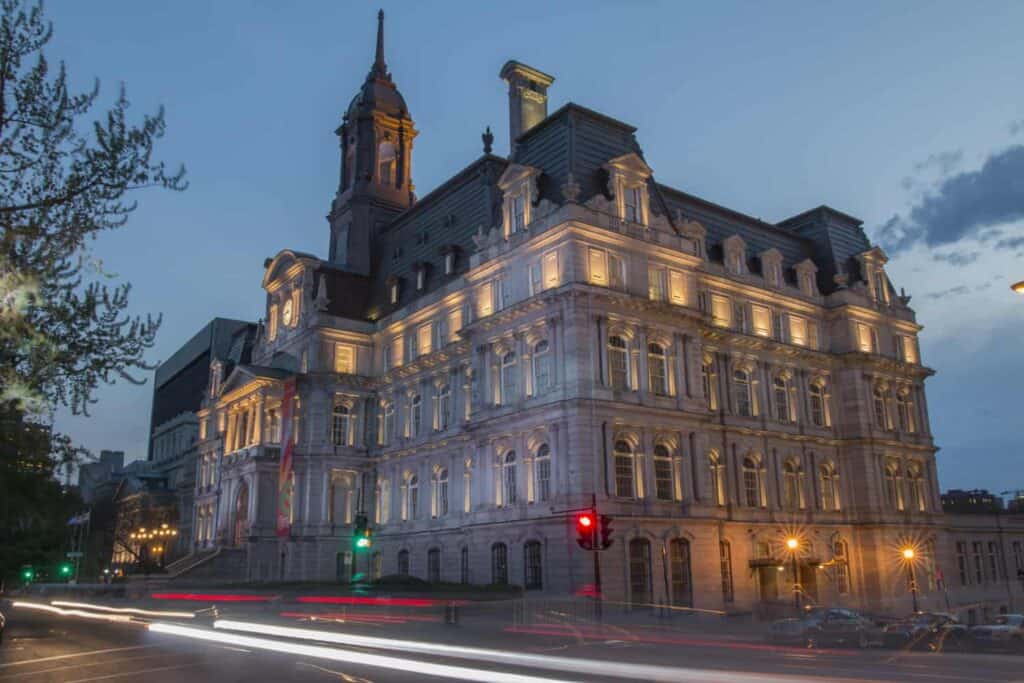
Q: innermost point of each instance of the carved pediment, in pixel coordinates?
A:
(284, 266)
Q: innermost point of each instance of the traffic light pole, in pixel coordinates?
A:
(599, 596)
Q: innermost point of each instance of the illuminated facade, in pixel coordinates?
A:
(557, 325)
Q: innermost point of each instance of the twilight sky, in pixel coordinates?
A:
(908, 115)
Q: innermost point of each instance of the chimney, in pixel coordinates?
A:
(527, 98)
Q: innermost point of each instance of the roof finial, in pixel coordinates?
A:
(379, 67)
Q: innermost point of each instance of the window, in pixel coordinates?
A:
(817, 396)
(915, 477)
(340, 425)
(655, 283)
(742, 393)
(403, 563)
(434, 565)
(485, 300)
(725, 560)
(867, 338)
(1018, 556)
(606, 269)
(421, 278)
(344, 358)
(677, 288)
(623, 470)
(751, 482)
(657, 370)
(840, 557)
(640, 572)
(777, 328)
(441, 502)
(509, 386)
(464, 565)
(662, 473)
(881, 288)
(544, 274)
(533, 578)
(508, 479)
(382, 501)
(682, 579)
(467, 488)
(880, 408)
(518, 213)
(792, 485)
(780, 392)
(386, 357)
(977, 561)
(618, 363)
(905, 411)
(961, 563)
(707, 379)
(393, 292)
(632, 200)
(994, 566)
(424, 339)
(499, 563)
(415, 415)
(412, 490)
(894, 485)
(616, 272)
(541, 367)
(761, 320)
(386, 163)
(739, 317)
(387, 423)
(721, 311)
(717, 472)
(444, 404)
(906, 348)
(449, 263)
(536, 279)
(272, 322)
(829, 481)
(543, 465)
(798, 330)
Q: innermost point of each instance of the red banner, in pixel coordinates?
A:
(284, 472)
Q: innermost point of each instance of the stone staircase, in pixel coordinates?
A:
(218, 564)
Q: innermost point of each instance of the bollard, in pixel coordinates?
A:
(451, 613)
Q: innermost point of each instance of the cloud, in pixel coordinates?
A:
(945, 162)
(1016, 127)
(952, 291)
(957, 258)
(986, 236)
(962, 205)
(1010, 243)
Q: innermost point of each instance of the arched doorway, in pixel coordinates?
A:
(241, 514)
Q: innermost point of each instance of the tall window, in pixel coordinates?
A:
(829, 480)
(508, 477)
(742, 393)
(640, 571)
(387, 423)
(993, 561)
(904, 411)
(751, 482)
(682, 582)
(464, 565)
(655, 283)
(403, 563)
(657, 369)
(707, 379)
(386, 163)
(416, 415)
(817, 396)
(434, 565)
(543, 465)
(382, 501)
(533, 576)
(444, 404)
(915, 477)
(781, 394)
(541, 367)
(662, 473)
(725, 560)
(880, 409)
(842, 561)
(340, 425)
(961, 563)
(624, 470)
(894, 485)
(509, 385)
(441, 505)
(499, 563)
(618, 363)
(792, 485)
(978, 562)
(518, 213)
(344, 358)
(632, 201)
(413, 497)
(717, 471)
(881, 290)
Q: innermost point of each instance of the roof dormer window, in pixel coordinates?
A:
(393, 289)
(633, 204)
(735, 255)
(421, 276)
(627, 184)
(771, 265)
(518, 214)
(519, 185)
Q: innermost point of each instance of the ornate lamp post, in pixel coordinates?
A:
(793, 545)
(909, 557)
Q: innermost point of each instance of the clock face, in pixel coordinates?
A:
(286, 313)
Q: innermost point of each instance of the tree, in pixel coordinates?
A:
(64, 326)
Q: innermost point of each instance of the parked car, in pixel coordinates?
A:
(919, 631)
(826, 626)
(1005, 633)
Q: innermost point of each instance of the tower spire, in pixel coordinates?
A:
(379, 67)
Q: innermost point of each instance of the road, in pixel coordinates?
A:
(41, 647)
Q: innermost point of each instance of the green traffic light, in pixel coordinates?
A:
(363, 543)
(27, 574)
(65, 569)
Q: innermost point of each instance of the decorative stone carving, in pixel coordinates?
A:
(571, 189)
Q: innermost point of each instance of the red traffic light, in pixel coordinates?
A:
(585, 530)
(585, 521)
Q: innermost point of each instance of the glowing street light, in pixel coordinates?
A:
(908, 557)
(908, 553)
(793, 543)
(1018, 287)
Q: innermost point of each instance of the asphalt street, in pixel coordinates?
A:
(40, 647)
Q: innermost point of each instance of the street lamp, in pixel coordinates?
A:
(1018, 287)
(794, 544)
(908, 558)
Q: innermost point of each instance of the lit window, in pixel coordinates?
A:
(598, 267)
(441, 503)
(708, 381)
(752, 483)
(344, 358)
(867, 338)
(780, 393)
(657, 370)
(721, 311)
(655, 283)
(623, 470)
(618, 363)
(677, 288)
(386, 163)
(842, 562)
(819, 414)
(543, 464)
(412, 491)
(393, 293)
(798, 330)
(421, 278)
(829, 480)
(633, 204)
(508, 479)
(894, 486)
(742, 393)
(425, 339)
(663, 480)
(880, 405)
(485, 299)
(550, 262)
(340, 425)
(725, 560)
(905, 411)
(915, 478)
(272, 322)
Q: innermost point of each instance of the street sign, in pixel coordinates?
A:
(74, 553)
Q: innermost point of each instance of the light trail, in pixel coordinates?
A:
(214, 597)
(359, 658)
(573, 665)
(124, 610)
(72, 612)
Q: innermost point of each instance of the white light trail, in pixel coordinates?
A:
(72, 612)
(359, 658)
(124, 610)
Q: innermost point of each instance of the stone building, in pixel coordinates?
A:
(555, 327)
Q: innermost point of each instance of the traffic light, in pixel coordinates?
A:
(585, 530)
(361, 538)
(606, 531)
(27, 573)
(64, 570)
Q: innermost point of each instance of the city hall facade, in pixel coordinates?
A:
(555, 327)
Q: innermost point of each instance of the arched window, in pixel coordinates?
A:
(792, 485)
(618, 363)
(403, 563)
(663, 481)
(829, 487)
(894, 485)
(780, 392)
(412, 492)
(880, 409)
(657, 370)
(717, 471)
(542, 374)
(499, 563)
(707, 378)
(640, 571)
(840, 555)
(434, 565)
(444, 404)
(543, 467)
(751, 482)
(742, 393)
(624, 470)
(415, 415)
(904, 411)
(915, 477)
(682, 582)
(509, 386)
(508, 478)
(817, 395)
(441, 493)
(387, 423)
(340, 425)
(386, 163)
(533, 578)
